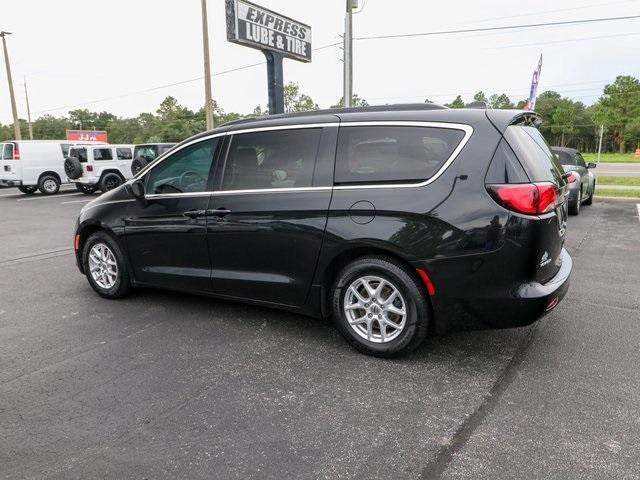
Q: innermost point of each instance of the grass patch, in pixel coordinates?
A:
(612, 158)
(609, 180)
(605, 192)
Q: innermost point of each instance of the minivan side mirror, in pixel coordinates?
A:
(137, 188)
(591, 165)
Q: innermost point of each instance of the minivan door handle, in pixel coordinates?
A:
(195, 213)
(219, 212)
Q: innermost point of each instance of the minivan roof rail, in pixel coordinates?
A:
(329, 111)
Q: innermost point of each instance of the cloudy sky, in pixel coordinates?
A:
(124, 55)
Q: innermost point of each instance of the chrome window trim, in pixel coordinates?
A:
(467, 129)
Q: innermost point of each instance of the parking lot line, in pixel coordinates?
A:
(45, 197)
(77, 201)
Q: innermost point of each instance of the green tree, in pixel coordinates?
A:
(295, 101)
(564, 120)
(619, 108)
(356, 101)
(457, 103)
(480, 97)
(501, 101)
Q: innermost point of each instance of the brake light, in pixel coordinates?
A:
(16, 152)
(527, 198)
(89, 168)
(571, 177)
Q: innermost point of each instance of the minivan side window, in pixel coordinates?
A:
(185, 171)
(272, 159)
(102, 154)
(124, 153)
(370, 154)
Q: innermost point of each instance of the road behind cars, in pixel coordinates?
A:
(164, 385)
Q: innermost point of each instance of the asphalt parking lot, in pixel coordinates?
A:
(164, 385)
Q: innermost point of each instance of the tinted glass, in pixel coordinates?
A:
(565, 157)
(535, 154)
(581, 161)
(102, 154)
(146, 151)
(393, 154)
(79, 153)
(124, 153)
(275, 159)
(185, 171)
(505, 167)
(7, 151)
(65, 149)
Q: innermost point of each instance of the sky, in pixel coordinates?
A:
(120, 55)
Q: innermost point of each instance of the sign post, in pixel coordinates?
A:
(277, 36)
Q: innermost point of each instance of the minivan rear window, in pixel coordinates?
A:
(370, 154)
(534, 153)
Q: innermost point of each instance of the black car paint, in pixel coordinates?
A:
(284, 249)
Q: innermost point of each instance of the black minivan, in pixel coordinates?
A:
(396, 221)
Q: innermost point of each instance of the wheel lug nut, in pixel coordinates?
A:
(369, 315)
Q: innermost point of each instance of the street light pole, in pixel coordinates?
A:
(14, 110)
(26, 96)
(348, 53)
(208, 107)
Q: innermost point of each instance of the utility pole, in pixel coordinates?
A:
(348, 53)
(600, 142)
(14, 110)
(26, 96)
(208, 107)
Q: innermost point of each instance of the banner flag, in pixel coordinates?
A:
(533, 94)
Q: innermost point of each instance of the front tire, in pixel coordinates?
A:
(28, 189)
(589, 201)
(380, 307)
(48, 185)
(105, 267)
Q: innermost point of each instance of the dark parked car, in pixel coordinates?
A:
(582, 182)
(396, 221)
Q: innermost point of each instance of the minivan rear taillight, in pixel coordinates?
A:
(527, 198)
(16, 152)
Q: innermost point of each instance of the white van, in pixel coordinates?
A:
(93, 167)
(34, 165)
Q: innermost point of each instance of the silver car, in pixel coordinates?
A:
(582, 181)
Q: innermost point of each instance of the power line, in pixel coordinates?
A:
(502, 27)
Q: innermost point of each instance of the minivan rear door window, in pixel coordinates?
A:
(375, 154)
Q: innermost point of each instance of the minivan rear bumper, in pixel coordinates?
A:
(520, 306)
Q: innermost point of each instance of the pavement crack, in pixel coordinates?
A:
(437, 466)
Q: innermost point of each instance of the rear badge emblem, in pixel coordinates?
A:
(545, 260)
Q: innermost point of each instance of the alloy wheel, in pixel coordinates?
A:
(103, 266)
(375, 309)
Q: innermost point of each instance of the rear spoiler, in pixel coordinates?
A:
(501, 119)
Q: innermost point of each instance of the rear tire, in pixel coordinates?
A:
(574, 207)
(48, 185)
(109, 181)
(28, 189)
(402, 332)
(105, 267)
(88, 189)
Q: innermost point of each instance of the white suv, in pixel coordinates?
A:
(103, 167)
